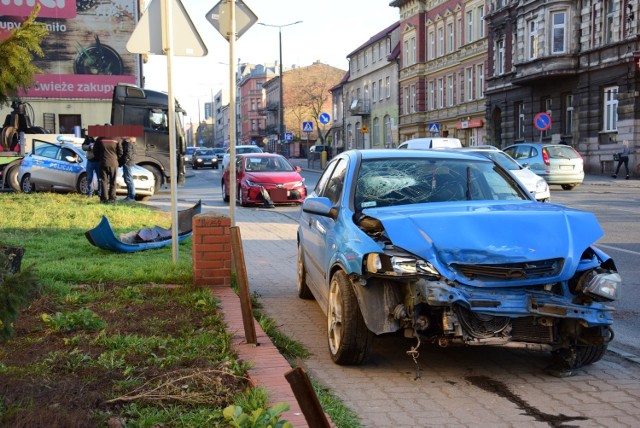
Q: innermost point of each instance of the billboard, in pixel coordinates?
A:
(85, 53)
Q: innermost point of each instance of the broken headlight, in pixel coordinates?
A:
(602, 286)
(398, 265)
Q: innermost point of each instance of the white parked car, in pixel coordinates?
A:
(532, 181)
(239, 151)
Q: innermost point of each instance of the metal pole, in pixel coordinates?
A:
(232, 113)
(168, 48)
(280, 105)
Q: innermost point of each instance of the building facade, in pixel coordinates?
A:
(252, 119)
(370, 93)
(576, 62)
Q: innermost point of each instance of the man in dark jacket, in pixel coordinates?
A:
(109, 151)
(93, 166)
(128, 161)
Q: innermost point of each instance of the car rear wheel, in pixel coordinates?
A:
(225, 194)
(348, 336)
(83, 185)
(26, 185)
(303, 289)
(590, 354)
(568, 186)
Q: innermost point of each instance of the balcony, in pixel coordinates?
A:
(360, 107)
(545, 68)
(272, 106)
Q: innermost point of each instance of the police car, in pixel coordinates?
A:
(61, 167)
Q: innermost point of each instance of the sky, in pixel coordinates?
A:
(329, 31)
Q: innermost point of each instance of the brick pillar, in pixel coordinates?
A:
(211, 249)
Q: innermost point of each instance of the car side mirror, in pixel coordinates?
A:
(298, 168)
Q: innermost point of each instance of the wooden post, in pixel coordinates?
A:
(307, 398)
(243, 286)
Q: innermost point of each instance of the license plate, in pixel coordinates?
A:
(278, 194)
(566, 166)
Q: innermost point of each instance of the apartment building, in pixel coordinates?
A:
(370, 93)
(251, 119)
(578, 62)
(442, 69)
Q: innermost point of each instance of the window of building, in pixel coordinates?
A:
(479, 81)
(481, 22)
(366, 58)
(406, 100)
(568, 114)
(380, 51)
(388, 86)
(532, 45)
(610, 120)
(253, 104)
(253, 125)
(375, 132)
(520, 116)
(469, 18)
(374, 54)
(611, 21)
(413, 98)
(469, 73)
(548, 108)
(358, 62)
(432, 45)
(450, 91)
(374, 91)
(499, 66)
(459, 33)
(559, 23)
(388, 46)
(440, 93)
(432, 103)
(414, 51)
(440, 41)
(450, 44)
(406, 53)
(387, 131)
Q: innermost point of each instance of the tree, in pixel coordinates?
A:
(16, 57)
(307, 95)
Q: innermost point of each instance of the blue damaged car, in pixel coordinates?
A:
(449, 248)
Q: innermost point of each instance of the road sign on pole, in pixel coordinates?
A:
(307, 126)
(434, 128)
(324, 118)
(148, 36)
(218, 17)
(542, 121)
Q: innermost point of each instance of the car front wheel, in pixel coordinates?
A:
(303, 289)
(25, 184)
(568, 186)
(225, 194)
(348, 336)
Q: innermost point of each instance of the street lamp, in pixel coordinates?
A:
(280, 105)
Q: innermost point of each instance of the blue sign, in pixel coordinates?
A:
(324, 118)
(288, 136)
(542, 121)
(434, 128)
(307, 126)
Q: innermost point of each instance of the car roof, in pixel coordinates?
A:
(428, 154)
(260, 155)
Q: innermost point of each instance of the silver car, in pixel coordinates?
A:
(61, 167)
(556, 163)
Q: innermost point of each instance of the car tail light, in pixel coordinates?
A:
(545, 157)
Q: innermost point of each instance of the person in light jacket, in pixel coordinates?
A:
(623, 158)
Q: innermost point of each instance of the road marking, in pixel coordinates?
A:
(618, 249)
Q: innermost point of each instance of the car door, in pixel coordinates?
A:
(317, 232)
(66, 172)
(44, 158)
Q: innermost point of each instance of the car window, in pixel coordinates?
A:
(334, 186)
(47, 151)
(501, 159)
(66, 152)
(392, 182)
(561, 152)
(322, 182)
(523, 151)
(241, 150)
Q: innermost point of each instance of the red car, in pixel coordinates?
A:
(266, 179)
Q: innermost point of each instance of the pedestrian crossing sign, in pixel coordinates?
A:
(307, 126)
(434, 128)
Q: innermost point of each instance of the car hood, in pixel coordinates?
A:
(273, 177)
(490, 233)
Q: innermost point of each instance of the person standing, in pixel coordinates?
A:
(93, 167)
(623, 158)
(109, 151)
(128, 161)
